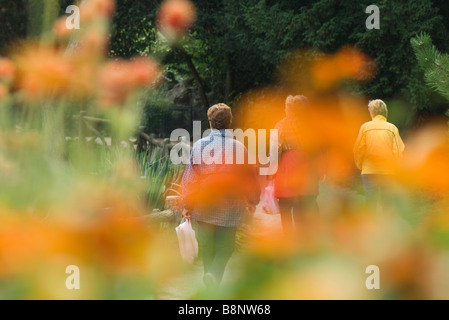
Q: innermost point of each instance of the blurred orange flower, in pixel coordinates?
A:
(324, 277)
(94, 9)
(60, 28)
(3, 91)
(426, 158)
(175, 18)
(110, 241)
(353, 63)
(330, 124)
(44, 71)
(144, 71)
(347, 63)
(260, 109)
(7, 69)
(272, 243)
(93, 44)
(105, 229)
(408, 273)
(118, 79)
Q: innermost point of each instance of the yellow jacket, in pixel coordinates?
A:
(379, 147)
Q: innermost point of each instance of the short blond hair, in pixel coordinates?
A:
(294, 103)
(377, 107)
(220, 116)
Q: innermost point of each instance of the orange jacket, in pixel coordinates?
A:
(379, 147)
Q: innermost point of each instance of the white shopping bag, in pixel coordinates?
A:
(270, 202)
(187, 241)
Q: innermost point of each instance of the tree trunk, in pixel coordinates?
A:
(228, 88)
(196, 76)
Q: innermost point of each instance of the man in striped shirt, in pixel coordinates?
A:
(217, 191)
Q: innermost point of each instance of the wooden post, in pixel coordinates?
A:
(141, 142)
(81, 127)
(151, 145)
(166, 148)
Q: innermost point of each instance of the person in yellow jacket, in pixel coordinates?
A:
(377, 150)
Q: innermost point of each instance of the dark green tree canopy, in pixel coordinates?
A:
(238, 45)
(242, 42)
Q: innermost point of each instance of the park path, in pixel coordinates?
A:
(190, 283)
(187, 286)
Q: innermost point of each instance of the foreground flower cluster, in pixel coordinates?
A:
(65, 202)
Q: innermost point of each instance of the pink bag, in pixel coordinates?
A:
(270, 202)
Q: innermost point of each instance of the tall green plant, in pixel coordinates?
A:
(161, 176)
(42, 14)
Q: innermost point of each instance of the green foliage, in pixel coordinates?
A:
(329, 25)
(424, 100)
(398, 73)
(248, 39)
(133, 27)
(434, 64)
(156, 111)
(13, 22)
(161, 176)
(22, 18)
(237, 45)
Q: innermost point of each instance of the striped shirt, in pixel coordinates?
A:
(209, 191)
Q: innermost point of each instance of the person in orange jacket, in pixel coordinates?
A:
(377, 151)
(296, 183)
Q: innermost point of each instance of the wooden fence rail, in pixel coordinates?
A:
(143, 142)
